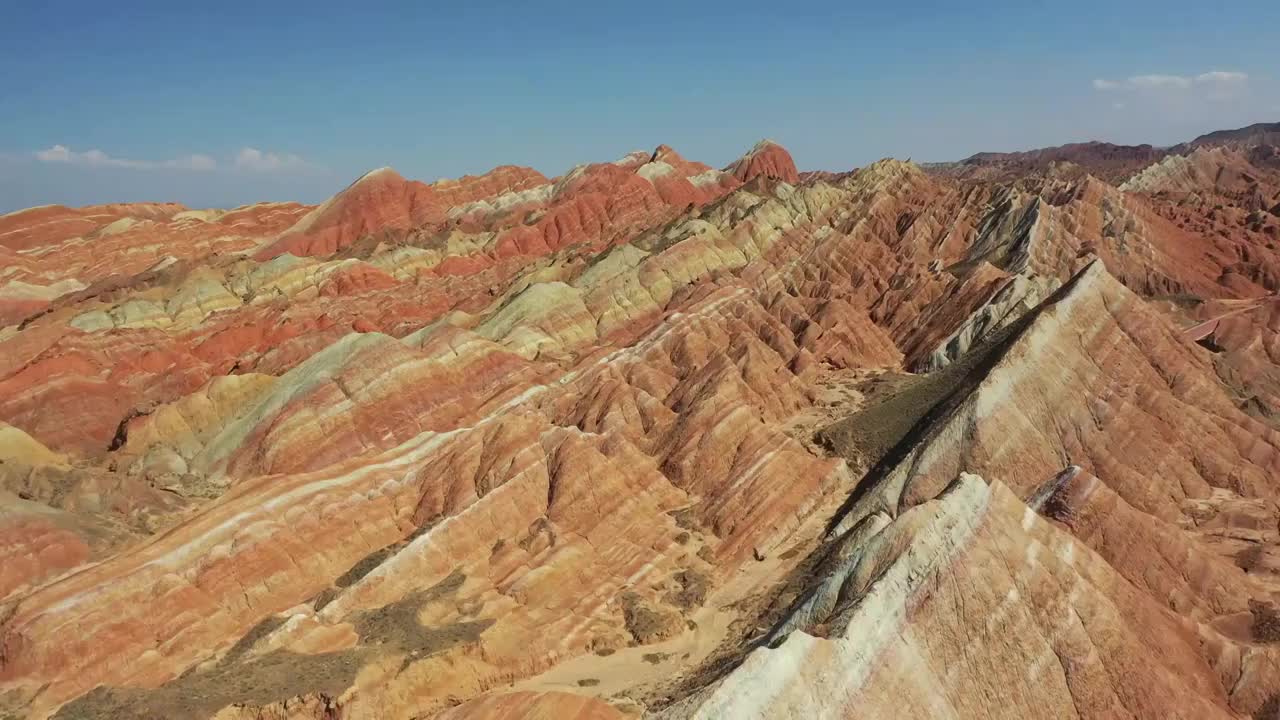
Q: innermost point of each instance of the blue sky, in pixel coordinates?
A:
(234, 102)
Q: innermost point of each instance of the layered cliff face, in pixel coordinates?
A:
(648, 439)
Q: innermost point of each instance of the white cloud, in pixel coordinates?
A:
(248, 159)
(57, 153)
(1219, 83)
(258, 161)
(98, 158)
(1159, 81)
(1222, 77)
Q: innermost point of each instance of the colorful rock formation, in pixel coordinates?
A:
(652, 439)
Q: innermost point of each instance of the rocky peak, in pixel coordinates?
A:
(766, 158)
